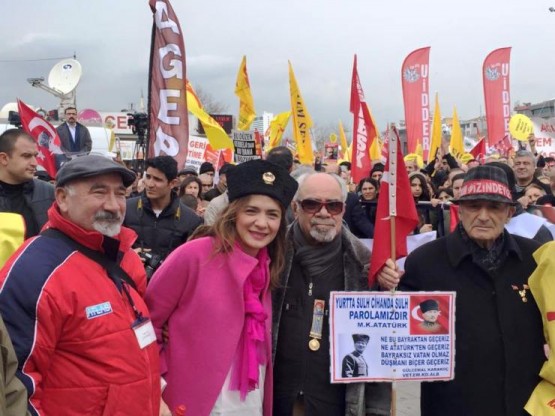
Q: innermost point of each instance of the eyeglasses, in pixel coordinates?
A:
(312, 206)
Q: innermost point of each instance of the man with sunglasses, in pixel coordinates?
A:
(322, 256)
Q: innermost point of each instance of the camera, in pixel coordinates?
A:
(138, 123)
(152, 262)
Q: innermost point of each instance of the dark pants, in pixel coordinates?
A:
(283, 406)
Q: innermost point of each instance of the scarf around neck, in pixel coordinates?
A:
(490, 259)
(251, 350)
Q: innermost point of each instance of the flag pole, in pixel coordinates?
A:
(392, 214)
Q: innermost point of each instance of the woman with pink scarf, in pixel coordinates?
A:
(213, 293)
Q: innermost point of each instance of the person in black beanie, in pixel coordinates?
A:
(207, 168)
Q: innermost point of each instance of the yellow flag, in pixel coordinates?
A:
(276, 129)
(542, 286)
(216, 135)
(375, 148)
(436, 132)
(247, 113)
(343, 139)
(302, 122)
(112, 140)
(419, 150)
(12, 234)
(457, 144)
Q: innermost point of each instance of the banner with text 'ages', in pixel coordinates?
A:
(380, 336)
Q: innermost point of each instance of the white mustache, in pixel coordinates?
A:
(107, 216)
(319, 222)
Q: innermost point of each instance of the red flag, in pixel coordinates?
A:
(479, 151)
(395, 200)
(503, 146)
(416, 97)
(497, 93)
(364, 130)
(44, 134)
(169, 122)
(453, 217)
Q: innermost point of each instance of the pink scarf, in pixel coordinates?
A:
(251, 351)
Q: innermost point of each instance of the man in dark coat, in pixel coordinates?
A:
(20, 192)
(161, 221)
(498, 327)
(322, 256)
(74, 137)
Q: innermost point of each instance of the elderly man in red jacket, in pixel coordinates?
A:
(72, 301)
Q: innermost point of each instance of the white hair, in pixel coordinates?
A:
(338, 179)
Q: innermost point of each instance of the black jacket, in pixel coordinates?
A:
(498, 337)
(357, 219)
(164, 233)
(39, 196)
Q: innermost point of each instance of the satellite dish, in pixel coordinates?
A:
(5, 111)
(65, 75)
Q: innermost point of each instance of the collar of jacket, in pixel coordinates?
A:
(169, 210)
(458, 250)
(28, 186)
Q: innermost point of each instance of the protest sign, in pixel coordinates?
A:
(544, 131)
(409, 336)
(245, 146)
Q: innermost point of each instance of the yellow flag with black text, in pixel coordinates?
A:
(247, 113)
(302, 122)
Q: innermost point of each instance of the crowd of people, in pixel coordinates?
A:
(140, 293)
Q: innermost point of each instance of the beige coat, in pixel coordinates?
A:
(13, 395)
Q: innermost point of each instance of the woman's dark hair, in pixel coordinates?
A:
(425, 196)
(186, 182)
(374, 183)
(448, 191)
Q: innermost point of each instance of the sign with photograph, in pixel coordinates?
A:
(384, 336)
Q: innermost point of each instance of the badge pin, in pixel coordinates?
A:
(268, 178)
(522, 292)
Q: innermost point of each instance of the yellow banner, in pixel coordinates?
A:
(302, 122)
(375, 148)
(247, 113)
(542, 286)
(343, 139)
(457, 143)
(216, 135)
(276, 129)
(436, 132)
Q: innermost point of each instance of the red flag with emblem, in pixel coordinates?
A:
(45, 136)
(395, 201)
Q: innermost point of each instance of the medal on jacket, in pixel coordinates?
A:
(521, 292)
(317, 324)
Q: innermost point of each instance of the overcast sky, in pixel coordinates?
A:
(112, 42)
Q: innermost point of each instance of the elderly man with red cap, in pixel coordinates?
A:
(499, 337)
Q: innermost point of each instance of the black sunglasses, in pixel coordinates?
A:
(312, 207)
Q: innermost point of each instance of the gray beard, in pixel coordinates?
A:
(108, 229)
(323, 236)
